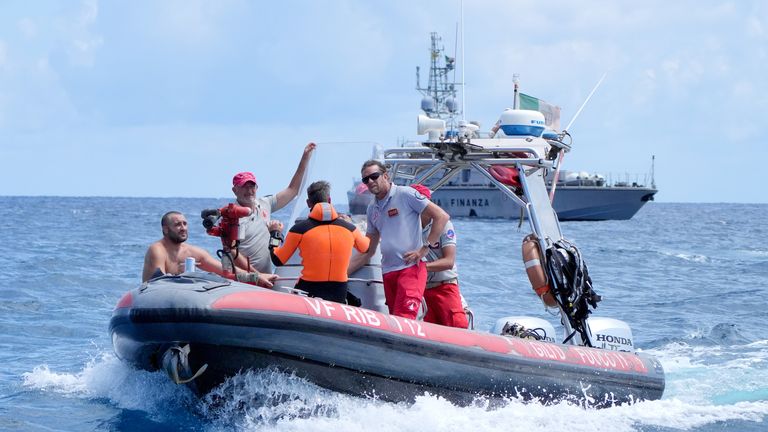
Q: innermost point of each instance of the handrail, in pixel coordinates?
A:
(539, 163)
(471, 150)
(368, 281)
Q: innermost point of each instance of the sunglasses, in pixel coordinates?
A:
(375, 176)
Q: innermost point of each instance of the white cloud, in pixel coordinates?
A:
(742, 89)
(3, 54)
(28, 28)
(234, 63)
(644, 93)
(33, 98)
(84, 44)
(681, 73)
(194, 24)
(755, 27)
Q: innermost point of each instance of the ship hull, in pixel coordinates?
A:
(582, 203)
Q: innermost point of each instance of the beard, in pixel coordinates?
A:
(176, 237)
(249, 201)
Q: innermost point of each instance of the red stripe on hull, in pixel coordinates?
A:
(277, 302)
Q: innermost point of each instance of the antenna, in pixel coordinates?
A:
(561, 154)
(516, 94)
(463, 63)
(575, 116)
(455, 48)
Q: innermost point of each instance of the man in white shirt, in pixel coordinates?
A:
(394, 218)
(253, 251)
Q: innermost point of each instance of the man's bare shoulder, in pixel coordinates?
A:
(157, 248)
(196, 251)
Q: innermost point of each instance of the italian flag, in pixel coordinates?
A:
(551, 112)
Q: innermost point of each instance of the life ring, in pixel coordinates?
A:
(534, 267)
(506, 175)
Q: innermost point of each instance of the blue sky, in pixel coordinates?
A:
(171, 98)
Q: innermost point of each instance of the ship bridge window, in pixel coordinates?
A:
(465, 173)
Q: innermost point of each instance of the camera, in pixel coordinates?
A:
(210, 217)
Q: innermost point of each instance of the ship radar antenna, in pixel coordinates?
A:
(439, 96)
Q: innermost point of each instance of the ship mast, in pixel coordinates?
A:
(439, 99)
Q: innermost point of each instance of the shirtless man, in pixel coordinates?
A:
(167, 254)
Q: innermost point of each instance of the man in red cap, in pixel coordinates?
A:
(254, 229)
(442, 292)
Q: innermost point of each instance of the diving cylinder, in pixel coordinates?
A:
(534, 267)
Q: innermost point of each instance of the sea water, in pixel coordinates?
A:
(690, 279)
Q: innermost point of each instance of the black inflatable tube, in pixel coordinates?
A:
(364, 360)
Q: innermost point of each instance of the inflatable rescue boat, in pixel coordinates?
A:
(201, 329)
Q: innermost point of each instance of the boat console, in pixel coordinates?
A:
(518, 158)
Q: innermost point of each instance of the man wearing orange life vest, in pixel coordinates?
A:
(325, 244)
(442, 292)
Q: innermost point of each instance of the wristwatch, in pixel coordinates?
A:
(275, 239)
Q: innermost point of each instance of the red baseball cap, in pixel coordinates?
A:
(244, 177)
(423, 190)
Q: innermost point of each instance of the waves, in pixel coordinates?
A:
(689, 279)
(701, 394)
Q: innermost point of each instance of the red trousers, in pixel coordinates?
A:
(404, 289)
(444, 306)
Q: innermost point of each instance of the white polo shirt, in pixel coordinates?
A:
(447, 238)
(255, 234)
(397, 220)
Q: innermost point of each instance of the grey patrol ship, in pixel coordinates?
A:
(579, 195)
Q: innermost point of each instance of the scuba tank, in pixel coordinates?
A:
(571, 287)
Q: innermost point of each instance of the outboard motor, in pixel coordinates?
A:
(525, 327)
(610, 334)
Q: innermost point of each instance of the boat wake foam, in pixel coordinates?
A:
(698, 394)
